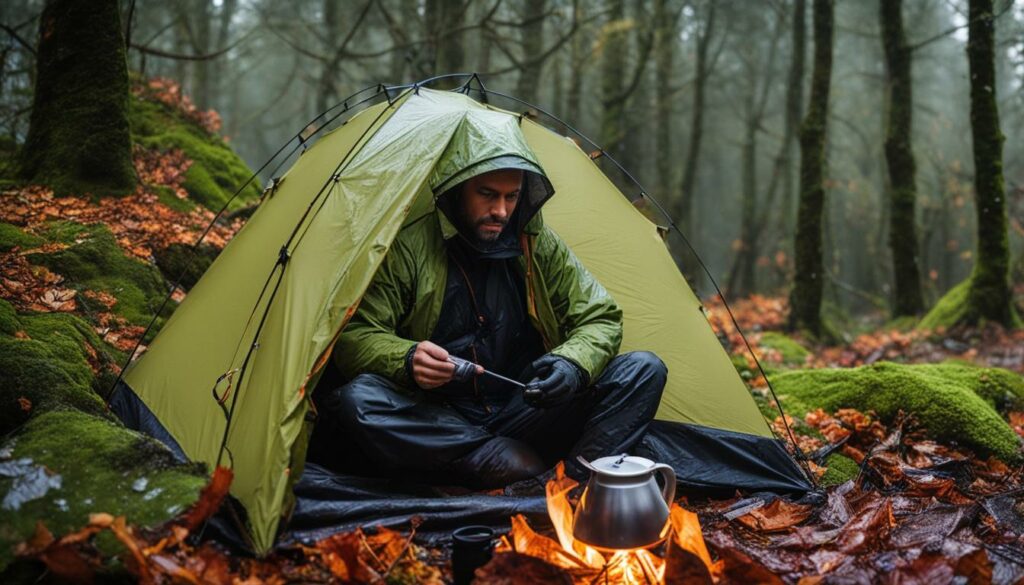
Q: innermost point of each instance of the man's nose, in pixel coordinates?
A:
(500, 209)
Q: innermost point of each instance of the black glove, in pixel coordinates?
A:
(556, 381)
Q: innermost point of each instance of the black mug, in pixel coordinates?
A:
(471, 548)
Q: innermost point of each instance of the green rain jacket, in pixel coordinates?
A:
(576, 317)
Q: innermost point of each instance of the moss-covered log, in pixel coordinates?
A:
(899, 157)
(805, 298)
(989, 296)
(79, 138)
(953, 401)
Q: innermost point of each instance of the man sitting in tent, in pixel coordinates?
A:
(481, 278)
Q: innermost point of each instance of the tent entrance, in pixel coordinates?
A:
(273, 302)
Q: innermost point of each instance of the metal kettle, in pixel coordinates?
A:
(622, 506)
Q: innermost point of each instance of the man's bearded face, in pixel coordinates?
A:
(488, 201)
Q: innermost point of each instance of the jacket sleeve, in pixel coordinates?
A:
(370, 342)
(589, 320)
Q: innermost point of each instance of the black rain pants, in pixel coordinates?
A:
(372, 427)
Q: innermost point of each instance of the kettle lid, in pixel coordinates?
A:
(621, 465)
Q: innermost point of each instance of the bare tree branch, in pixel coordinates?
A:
(181, 57)
(953, 29)
(14, 35)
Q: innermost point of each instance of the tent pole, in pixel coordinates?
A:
(195, 246)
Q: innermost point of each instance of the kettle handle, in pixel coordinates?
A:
(668, 490)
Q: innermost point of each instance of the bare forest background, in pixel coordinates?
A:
(702, 101)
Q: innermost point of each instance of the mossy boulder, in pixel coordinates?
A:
(953, 401)
(790, 351)
(216, 173)
(47, 360)
(103, 467)
(94, 261)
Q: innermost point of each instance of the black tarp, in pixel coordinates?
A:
(705, 460)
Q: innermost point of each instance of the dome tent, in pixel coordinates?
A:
(228, 379)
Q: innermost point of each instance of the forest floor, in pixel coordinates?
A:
(913, 436)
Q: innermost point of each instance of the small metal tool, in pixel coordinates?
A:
(465, 369)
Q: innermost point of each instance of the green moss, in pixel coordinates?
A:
(840, 470)
(93, 260)
(167, 196)
(955, 307)
(790, 350)
(765, 404)
(216, 173)
(949, 310)
(50, 368)
(99, 462)
(176, 261)
(9, 323)
(954, 402)
(904, 324)
(12, 236)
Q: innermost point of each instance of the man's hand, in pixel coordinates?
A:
(430, 366)
(557, 381)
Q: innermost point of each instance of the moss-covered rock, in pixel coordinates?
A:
(955, 402)
(45, 360)
(103, 468)
(216, 173)
(790, 350)
(94, 261)
(12, 236)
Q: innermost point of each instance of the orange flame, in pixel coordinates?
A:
(585, 564)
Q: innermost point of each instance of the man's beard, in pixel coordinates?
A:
(474, 230)
(486, 236)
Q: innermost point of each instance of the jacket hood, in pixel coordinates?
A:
(485, 141)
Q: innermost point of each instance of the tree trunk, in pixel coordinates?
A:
(201, 17)
(226, 15)
(400, 60)
(665, 57)
(794, 112)
(577, 50)
(79, 138)
(326, 93)
(683, 211)
(531, 37)
(742, 276)
(613, 66)
(443, 19)
(805, 299)
(989, 296)
(899, 157)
